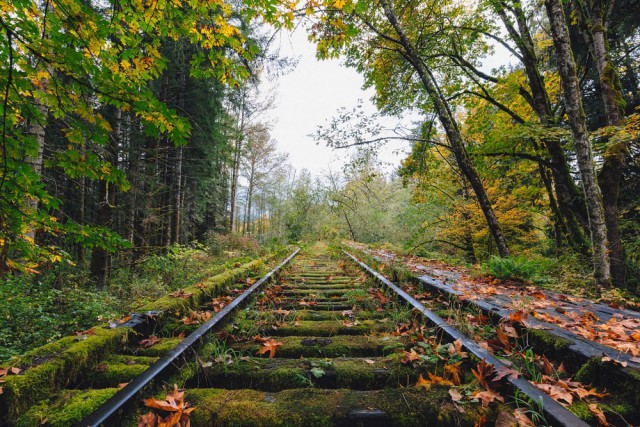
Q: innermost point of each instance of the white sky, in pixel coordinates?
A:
(310, 96)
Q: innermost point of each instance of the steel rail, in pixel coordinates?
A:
(558, 414)
(583, 348)
(107, 410)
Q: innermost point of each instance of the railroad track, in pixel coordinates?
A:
(330, 342)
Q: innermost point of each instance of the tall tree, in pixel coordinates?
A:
(398, 42)
(577, 122)
(595, 16)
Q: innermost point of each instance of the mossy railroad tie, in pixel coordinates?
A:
(335, 362)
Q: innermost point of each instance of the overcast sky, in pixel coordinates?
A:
(310, 96)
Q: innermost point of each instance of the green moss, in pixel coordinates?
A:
(159, 349)
(338, 346)
(69, 360)
(548, 343)
(208, 288)
(111, 375)
(70, 407)
(581, 410)
(326, 328)
(317, 407)
(589, 370)
(279, 374)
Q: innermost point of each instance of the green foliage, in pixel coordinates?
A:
(518, 268)
(34, 313)
(41, 309)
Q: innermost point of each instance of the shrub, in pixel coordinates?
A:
(518, 268)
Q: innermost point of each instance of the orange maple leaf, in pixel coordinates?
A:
(483, 373)
(174, 403)
(269, 346)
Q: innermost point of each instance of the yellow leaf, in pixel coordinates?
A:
(339, 4)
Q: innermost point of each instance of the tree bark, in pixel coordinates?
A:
(610, 175)
(571, 204)
(451, 129)
(237, 155)
(577, 122)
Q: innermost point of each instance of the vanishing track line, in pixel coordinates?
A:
(330, 342)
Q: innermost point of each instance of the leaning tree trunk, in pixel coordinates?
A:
(453, 133)
(577, 122)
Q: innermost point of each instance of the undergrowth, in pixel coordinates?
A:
(39, 309)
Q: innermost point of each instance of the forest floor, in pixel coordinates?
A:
(611, 325)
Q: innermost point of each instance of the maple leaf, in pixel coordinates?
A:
(174, 403)
(452, 372)
(487, 396)
(560, 394)
(595, 410)
(502, 372)
(483, 373)
(148, 342)
(269, 346)
(518, 316)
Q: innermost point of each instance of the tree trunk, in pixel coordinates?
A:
(614, 162)
(451, 129)
(577, 122)
(571, 204)
(37, 129)
(237, 154)
(101, 258)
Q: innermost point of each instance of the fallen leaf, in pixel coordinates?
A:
(488, 396)
(483, 373)
(455, 394)
(426, 384)
(456, 348)
(369, 361)
(614, 361)
(122, 385)
(560, 394)
(502, 372)
(595, 410)
(410, 356)
(148, 342)
(181, 294)
(522, 418)
(270, 346)
(148, 420)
